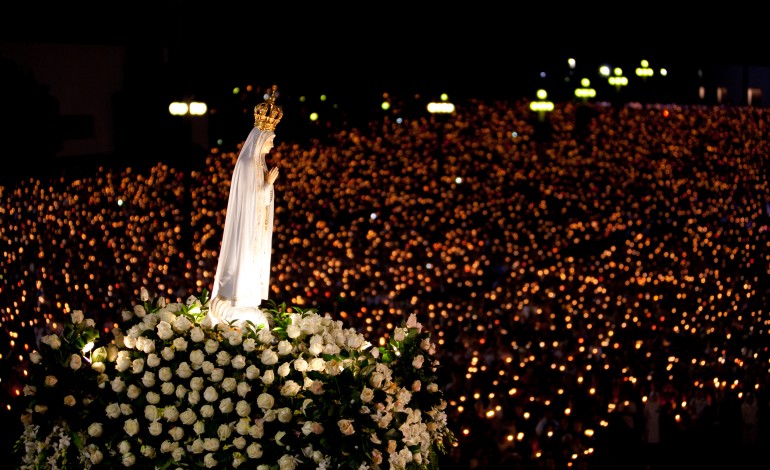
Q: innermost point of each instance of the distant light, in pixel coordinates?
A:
(373, 215)
(399, 120)
(645, 63)
(219, 141)
(541, 106)
(429, 266)
(542, 75)
(236, 90)
(459, 179)
(514, 134)
(604, 71)
(385, 105)
(198, 108)
(663, 72)
(177, 108)
(585, 83)
(542, 94)
(323, 98)
(571, 63)
(120, 202)
(617, 71)
(444, 97)
(313, 116)
(441, 108)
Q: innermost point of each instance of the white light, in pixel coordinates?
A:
(373, 215)
(197, 108)
(441, 108)
(177, 109)
(459, 180)
(120, 202)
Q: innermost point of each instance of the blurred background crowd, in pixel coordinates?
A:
(596, 279)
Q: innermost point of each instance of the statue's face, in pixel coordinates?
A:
(268, 145)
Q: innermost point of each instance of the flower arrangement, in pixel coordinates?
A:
(174, 389)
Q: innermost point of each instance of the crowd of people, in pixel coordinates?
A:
(596, 279)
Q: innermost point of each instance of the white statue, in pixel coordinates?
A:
(243, 271)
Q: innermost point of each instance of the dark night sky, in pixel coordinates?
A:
(395, 43)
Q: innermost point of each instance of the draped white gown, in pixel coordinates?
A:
(242, 279)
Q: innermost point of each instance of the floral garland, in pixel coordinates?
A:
(173, 389)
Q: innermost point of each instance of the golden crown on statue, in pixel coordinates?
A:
(267, 115)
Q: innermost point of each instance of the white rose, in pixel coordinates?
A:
(242, 427)
(50, 380)
(152, 398)
(69, 400)
(226, 405)
(238, 362)
(432, 388)
(165, 374)
(293, 331)
(269, 357)
(52, 340)
(316, 387)
(148, 379)
(194, 397)
(188, 417)
(265, 336)
(399, 334)
(217, 375)
(417, 361)
(177, 454)
(131, 426)
(128, 460)
(207, 411)
(182, 324)
(95, 429)
(243, 389)
(148, 451)
(223, 358)
(77, 316)
(300, 364)
(165, 332)
(425, 344)
(346, 427)
(252, 372)
(284, 415)
(197, 446)
(316, 364)
(209, 461)
(239, 443)
(183, 370)
(180, 391)
(139, 311)
(96, 456)
(228, 384)
(151, 413)
(126, 315)
(268, 377)
(257, 430)
(99, 367)
(242, 408)
(211, 444)
(153, 360)
(249, 344)
(176, 433)
(197, 383)
(118, 386)
(199, 427)
(367, 394)
(211, 346)
(287, 462)
(155, 428)
(254, 451)
(126, 409)
(133, 392)
(284, 347)
(377, 379)
(210, 394)
(170, 413)
(75, 361)
(124, 447)
(137, 365)
(112, 410)
(197, 357)
(224, 431)
(35, 357)
(290, 388)
(284, 369)
(197, 334)
(265, 401)
(168, 354)
(207, 367)
(416, 386)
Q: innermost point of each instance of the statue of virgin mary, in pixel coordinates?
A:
(242, 278)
